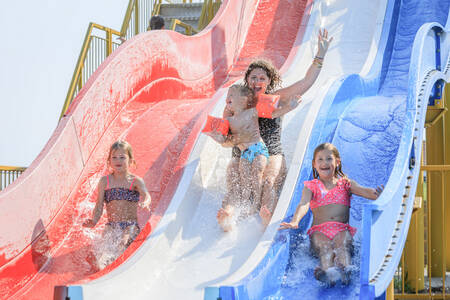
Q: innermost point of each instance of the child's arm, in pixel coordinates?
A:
(369, 193)
(98, 210)
(301, 210)
(217, 137)
(230, 141)
(286, 106)
(140, 187)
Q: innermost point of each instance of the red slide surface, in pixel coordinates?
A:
(155, 92)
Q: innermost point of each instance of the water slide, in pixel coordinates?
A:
(376, 120)
(156, 99)
(154, 91)
(187, 255)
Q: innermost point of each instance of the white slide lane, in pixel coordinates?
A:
(187, 250)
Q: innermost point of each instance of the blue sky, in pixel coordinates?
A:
(40, 45)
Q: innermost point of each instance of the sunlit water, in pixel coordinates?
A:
(299, 280)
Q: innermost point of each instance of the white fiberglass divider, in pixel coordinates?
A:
(356, 28)
(187, 250)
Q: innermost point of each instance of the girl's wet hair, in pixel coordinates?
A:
(271, 71)
(124, 145)
(328, 146)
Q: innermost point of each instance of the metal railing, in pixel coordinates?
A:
(423, 274)
(8, 174)
(209, 10)
(100, 41)
(188, 29)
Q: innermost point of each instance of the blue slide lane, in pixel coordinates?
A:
(376, 123)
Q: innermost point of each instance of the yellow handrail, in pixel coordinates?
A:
(86, 65)
(77, 80)
(8, 174)
(136, 18)
(11, 168)
(189, 30)
(209, 10)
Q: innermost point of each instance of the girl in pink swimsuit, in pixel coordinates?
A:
(120, 192)
(328, 196)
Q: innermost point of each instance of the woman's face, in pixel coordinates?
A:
(258, 80)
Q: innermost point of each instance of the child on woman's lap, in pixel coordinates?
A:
(328, 196)
(243, 123)
(120, 192)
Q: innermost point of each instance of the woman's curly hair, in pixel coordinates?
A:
(271, 71)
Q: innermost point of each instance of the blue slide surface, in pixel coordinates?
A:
(377, 123)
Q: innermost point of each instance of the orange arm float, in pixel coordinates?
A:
(216, 124)
(266, 105)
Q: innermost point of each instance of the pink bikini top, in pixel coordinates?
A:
(340, 194)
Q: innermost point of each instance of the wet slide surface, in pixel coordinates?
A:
(155, 98)
(187, 251)
(375, 119)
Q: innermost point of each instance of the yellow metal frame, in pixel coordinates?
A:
(11, 168)
(77, 80)
(8, 174)
(76, 77)
(209, 8)
(435, 213)
(189, 30)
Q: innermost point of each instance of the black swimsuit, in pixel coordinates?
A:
(270, 130)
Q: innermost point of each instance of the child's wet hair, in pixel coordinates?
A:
(334, 150)
(124, 145)
(271, 71)
(244, 91)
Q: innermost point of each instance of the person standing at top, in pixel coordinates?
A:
(156, 22)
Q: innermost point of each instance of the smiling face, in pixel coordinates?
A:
(119, 160)
(258, 80)
(325, 162)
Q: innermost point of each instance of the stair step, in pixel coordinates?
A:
(181, 18)
(183, 5)
(181, 9)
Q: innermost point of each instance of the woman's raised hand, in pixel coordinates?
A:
(322, 43)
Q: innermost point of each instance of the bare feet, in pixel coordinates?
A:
(346, 275)
(265, 215)
(320, 274)
(324, 277)
(225, 219)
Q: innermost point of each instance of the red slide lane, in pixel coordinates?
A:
(154, 91)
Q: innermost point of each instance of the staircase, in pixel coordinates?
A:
(188, 13)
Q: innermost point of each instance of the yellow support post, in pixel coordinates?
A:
(447, 178)
(78, 68)
(108, 42)
(414, 245)
(136, 17)
(435, 141)
(390, 291)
